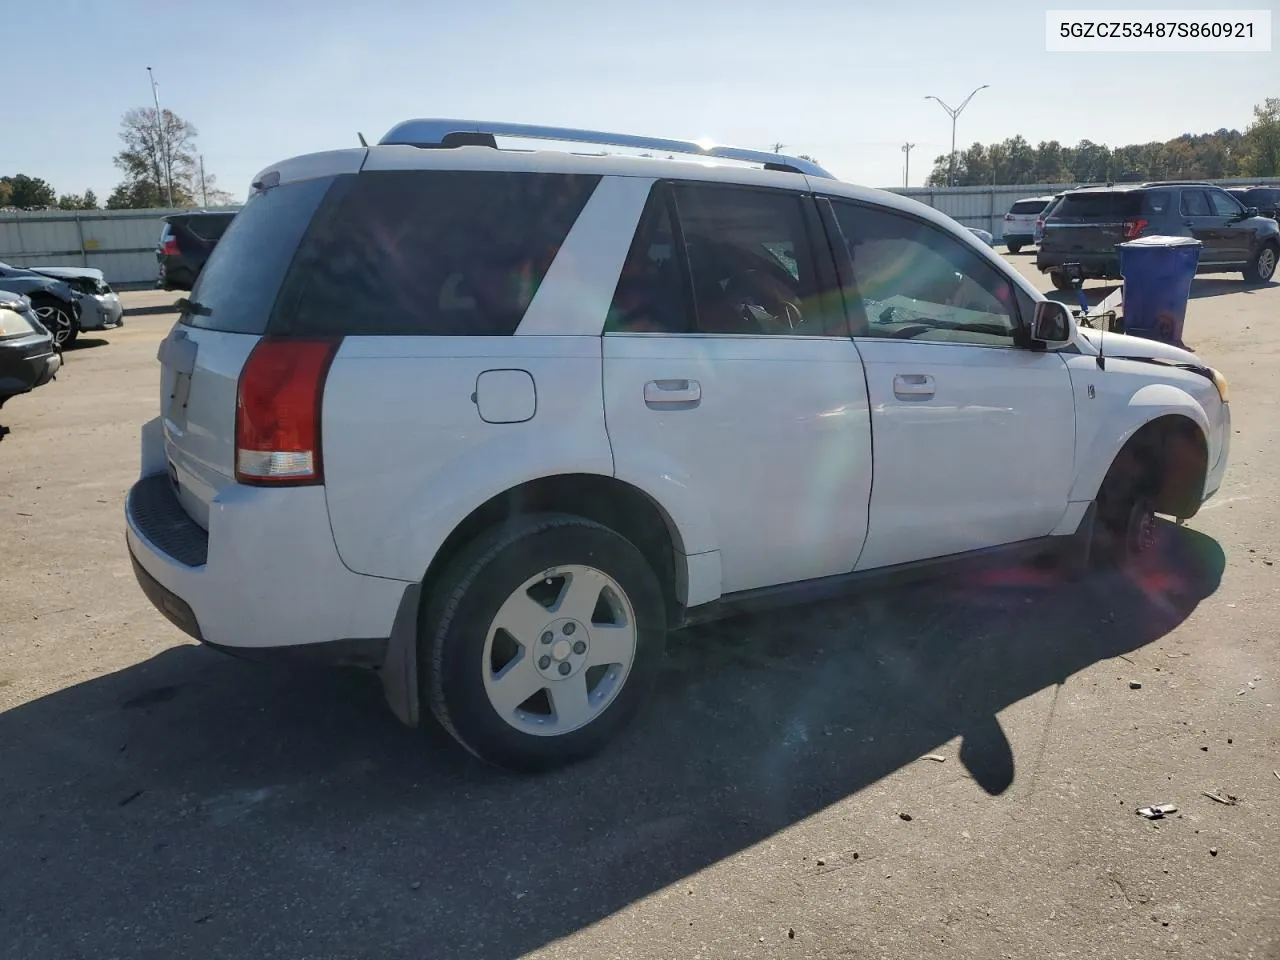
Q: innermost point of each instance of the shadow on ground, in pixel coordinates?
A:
(152, 311)
(85, 343)
(194, 805)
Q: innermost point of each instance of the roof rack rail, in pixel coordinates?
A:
(436, 133)
(1176, 183)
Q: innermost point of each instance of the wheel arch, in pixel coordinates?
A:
(1170, 441)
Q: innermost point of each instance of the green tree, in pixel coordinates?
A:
(1261, 146)
(78, 201)
(159, 161)
(28, 192)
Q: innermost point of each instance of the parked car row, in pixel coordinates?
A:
(1087, 225)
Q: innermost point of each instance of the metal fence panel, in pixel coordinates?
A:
(120, 243)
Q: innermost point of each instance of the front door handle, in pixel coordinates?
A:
(913, 386)
(672, 394)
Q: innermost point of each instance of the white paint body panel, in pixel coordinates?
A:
(985, 460)
(273, 577)
(408, 456)
(777, 445)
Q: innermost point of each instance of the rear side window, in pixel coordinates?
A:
(1195, 203)
(1028, 206)
(237, 288)
(445, 253)
(1156, 202)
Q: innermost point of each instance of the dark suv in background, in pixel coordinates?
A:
(1266, 199)
(1086, 226)
(186, 240)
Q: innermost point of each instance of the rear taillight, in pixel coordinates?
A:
(170, 248)
(1133, 229)
(278, 412)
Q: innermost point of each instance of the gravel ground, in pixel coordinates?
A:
(159, 800)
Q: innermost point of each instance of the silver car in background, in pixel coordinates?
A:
(100, 306)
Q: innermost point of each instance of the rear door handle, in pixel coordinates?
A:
(672, 394)
(913, 386)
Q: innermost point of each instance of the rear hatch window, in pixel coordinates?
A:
(1027, 207)
(445, 253)
(1099, 206)
(237, 288)
(209, 228)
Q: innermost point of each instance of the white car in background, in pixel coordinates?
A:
(1020, 222)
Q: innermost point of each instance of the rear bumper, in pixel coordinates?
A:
(265, 575)
(1096, 266)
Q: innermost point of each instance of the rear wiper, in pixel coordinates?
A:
(185, 305)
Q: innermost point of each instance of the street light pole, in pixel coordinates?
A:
(162, 144)
(906, 164)
(954, 113)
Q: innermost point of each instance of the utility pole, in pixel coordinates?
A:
(906, 164)
(954, 112)
(777, 147)
(162, 143)
(204, 195)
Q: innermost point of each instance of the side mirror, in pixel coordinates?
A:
(1051, 324)
(1250, 212)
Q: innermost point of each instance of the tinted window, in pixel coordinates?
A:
(913, 281)
(445, 253)
(652, 295)
(1195, 204)
(238, 285)
(208, 228)
(1028, 206)
(751, 264)
(1223, 204)
(1155, 202)
(1100, 205)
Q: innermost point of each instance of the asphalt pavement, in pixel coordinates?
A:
(947, 770)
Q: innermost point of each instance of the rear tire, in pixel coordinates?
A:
(567, 611)
(1060, 280)
(1263, 265)
(1015, 247)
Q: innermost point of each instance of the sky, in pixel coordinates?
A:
(844, 82)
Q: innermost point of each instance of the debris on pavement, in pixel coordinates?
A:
(1227, 800)
(1135, 685)
(905, 816)
(1157, 811)
(935, 757)
(1213, 851)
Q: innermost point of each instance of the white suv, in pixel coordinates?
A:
(494, 422)
(1020, 222)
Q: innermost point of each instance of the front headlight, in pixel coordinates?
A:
(1220, 382)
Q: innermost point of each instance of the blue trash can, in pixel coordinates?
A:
(1157, 275)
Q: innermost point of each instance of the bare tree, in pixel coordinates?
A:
(159, 158)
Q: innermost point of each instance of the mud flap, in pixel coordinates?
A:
(399, 671)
